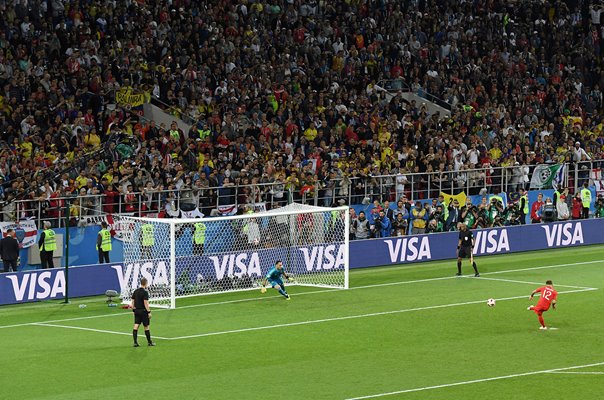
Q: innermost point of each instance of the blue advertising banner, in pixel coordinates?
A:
(318, 260)
(49, 284)
(441, 246)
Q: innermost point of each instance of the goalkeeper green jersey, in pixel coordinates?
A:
(275, 274)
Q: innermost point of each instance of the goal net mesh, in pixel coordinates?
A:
(191, 257)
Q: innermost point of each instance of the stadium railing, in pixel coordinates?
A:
(350, 190)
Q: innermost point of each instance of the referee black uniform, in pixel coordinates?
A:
(464, 249)
(142, 312)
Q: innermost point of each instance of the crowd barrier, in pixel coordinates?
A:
(91, 280)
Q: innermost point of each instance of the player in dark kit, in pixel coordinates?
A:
(142, 312)
(465, 248)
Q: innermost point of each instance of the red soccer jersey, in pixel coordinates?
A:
(548, 294)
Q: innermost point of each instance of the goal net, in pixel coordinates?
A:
(191, 257)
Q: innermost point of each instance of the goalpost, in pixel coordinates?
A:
(192, 257)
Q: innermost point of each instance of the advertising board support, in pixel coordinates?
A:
(66, 253)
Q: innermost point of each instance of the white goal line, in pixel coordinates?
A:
(495, 378)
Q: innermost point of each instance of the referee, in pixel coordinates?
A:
(465, 248)
(142, 312)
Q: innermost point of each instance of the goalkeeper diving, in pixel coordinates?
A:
(274, 278)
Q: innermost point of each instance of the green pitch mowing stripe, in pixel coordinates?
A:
(496, 378)
(86, 353)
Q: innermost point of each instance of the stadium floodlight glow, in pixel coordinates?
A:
(234, 253)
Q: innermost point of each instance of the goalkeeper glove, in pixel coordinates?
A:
(263, 290)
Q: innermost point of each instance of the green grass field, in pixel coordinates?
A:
(408, 332)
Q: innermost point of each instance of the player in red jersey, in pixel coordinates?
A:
(548, 297)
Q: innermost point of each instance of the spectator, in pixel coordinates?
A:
(9, 250)
(577, 206)
(537, 209)
(562, 207)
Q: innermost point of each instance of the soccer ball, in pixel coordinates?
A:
(491, 302)
(256, 241)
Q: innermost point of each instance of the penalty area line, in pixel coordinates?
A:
(495, 378)
(81, 328)
(576, 373)
(527, 282)
(357, 316)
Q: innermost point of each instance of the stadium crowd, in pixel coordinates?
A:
(291, 93)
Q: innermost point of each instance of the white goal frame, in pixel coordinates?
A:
(299, 249)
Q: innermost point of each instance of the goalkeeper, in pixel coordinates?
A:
(274, 278)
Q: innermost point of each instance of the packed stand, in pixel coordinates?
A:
(287, 97)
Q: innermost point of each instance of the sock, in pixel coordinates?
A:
(148, 334)
(459, 267)
(541, 321)
(474, 266)
(283, 292)
(135, 335)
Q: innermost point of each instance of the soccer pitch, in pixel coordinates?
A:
(407, 332)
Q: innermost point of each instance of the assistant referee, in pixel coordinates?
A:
(465, 248)
(142, 312)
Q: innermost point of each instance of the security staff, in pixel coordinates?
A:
(9, 250)
(199, 237)
(147, 241)
(47, 245)
(524, 207)
(586, 200)
(103, 243)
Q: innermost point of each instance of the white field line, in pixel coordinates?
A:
(80, 328)
(307, 293)
(532, 283)
(575, 373)
(357, 316)
(495, 378)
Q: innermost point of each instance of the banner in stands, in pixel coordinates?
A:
(249, 266)
(26, 232)
(126, 97)
(120, 230)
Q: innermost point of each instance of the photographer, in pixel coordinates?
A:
(599, 213)
(360, 227)
(436, 221)
(512, 215)
(469, 214)
(494, 212)
(382, 225)
(549, 211)
(399, 225)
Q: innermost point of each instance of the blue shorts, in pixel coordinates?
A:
(275, 282)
